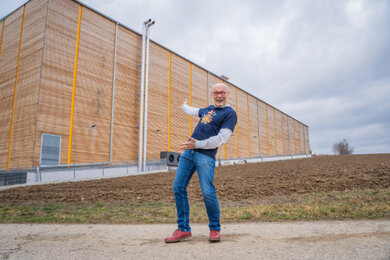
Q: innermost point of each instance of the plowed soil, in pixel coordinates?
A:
(236, 183)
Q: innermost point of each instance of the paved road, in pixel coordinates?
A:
(364, 239)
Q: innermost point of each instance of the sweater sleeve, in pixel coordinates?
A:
(215, 141)
(192, 111)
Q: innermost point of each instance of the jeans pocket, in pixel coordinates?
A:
(205, 160)
(211, 163)
(186, 154)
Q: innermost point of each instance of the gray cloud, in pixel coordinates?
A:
(326, 63)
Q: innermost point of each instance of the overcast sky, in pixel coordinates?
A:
(325, 63)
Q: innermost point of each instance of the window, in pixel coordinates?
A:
(50, 149)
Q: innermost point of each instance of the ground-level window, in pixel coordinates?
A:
(50, 149)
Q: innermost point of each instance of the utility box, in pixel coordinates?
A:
(172, 159)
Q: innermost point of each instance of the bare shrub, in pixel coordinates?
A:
(342, 147)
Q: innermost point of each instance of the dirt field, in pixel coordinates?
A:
(238, 183)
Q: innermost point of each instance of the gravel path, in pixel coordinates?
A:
(363, 239)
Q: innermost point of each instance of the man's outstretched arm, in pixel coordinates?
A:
(210, 143)
(215, 141)
(192, 111)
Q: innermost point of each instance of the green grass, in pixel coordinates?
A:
(366, 204)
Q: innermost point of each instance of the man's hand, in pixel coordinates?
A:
(184, 103)
(190, 144)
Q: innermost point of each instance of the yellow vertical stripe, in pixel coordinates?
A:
(169, 104)
(74, 87)
(295, 144)
(276, 147)
(2, 33)
(238, 143)
(16, 84)
(266, 118)
(190, 96)
(281, 125)
(249, 136)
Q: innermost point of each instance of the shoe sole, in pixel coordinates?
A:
(178, 240)
(214, 239)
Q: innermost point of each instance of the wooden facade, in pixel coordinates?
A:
(57, 76)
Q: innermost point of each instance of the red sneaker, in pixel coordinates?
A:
(177, 236)
(214, 236)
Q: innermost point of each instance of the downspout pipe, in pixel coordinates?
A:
(146, 94)
(141, 108)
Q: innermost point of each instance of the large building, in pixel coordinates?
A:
(70, 82)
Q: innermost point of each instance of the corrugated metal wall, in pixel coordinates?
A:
(57, 77)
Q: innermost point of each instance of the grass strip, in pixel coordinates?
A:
(365, 204)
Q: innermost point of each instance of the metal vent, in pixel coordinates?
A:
(50, 149)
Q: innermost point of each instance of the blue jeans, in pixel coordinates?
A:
(190, 161)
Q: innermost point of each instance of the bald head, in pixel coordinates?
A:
(220, 93)
(220, 85)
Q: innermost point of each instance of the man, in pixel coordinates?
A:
(214, 128)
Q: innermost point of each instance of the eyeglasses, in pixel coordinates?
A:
(217, 93)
